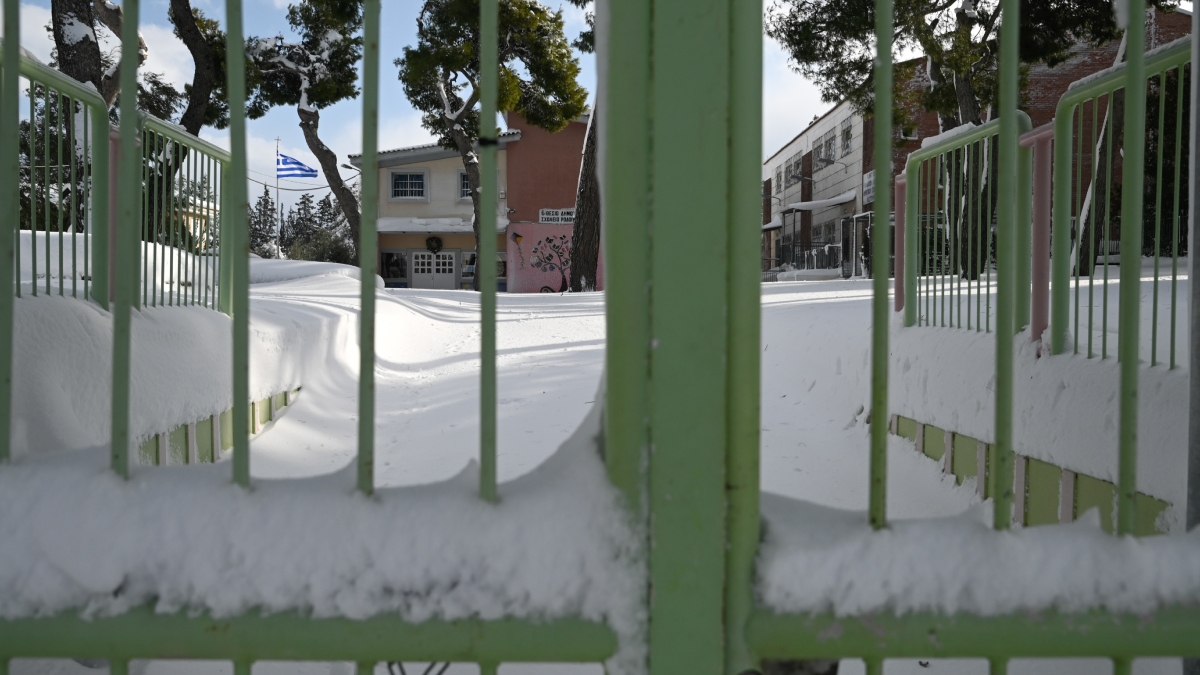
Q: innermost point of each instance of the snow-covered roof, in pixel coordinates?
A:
(427, 151)
(847, 196)
(777, 221)
(432, 225)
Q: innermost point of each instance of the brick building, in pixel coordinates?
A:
(426, 239)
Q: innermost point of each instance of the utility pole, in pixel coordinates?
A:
(279, 205)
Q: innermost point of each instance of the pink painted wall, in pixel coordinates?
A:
(527, 245)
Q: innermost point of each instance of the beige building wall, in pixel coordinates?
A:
(442, 193)
(392, 241)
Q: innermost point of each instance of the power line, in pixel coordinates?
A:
(322, 187)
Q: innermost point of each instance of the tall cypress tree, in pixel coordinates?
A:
(262, 225)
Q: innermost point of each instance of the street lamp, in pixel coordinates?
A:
(347, 166)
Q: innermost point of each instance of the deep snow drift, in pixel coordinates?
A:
(814, 447)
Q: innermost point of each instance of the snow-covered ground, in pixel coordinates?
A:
(815, 392)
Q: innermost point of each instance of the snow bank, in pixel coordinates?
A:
(816, 559)
(181, 370)
(160, 264)
(1065, 408)
(557, 545)
(266, 270)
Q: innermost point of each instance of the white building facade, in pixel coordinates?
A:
(814, 186)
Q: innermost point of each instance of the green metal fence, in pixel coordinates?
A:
(66, 158)
(1090, 151)
(951, 228)
(182, 180)
(681, 408)
(63, 185)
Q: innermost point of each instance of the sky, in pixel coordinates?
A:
(789, 100)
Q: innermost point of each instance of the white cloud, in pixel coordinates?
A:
(168, 55)
(33, 30)
(790, 101)
(395, 131)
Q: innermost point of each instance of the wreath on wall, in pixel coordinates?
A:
(434, 244)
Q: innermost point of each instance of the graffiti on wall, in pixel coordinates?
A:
(540, 257)
(553, 254)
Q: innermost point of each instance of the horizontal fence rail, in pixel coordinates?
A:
(681, 408)
(1090, 152)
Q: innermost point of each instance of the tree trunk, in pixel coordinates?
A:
(112, 16)
(79, 59)
(585, 235)
(470, 160)
(206, 73)
(310, 122)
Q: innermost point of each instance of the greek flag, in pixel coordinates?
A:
(290, 167)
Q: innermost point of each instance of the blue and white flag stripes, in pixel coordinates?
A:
(290, 167)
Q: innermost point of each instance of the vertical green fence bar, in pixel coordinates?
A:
(627, 244)
(128, 215)
(912, 225)
(236, 241)
(1024, 239)
(744, 300)
(1060, 241)
(1131, 249)
(368, 244)
(224, 243)
(1006, 264)
(485, 262)
(99, 227)
(881, 244)
(690, 103)
(10, 212)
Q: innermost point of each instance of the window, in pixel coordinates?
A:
(408, 185)
(792, 170)
(393, 265)
(825, 150)
(847, 137)
(468, 263)
(778, 179)
(422, 263)
(464, 185)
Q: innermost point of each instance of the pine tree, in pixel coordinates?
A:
(262, 225)
(440, 74)
(327, 215)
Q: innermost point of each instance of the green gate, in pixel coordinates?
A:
(681, 85)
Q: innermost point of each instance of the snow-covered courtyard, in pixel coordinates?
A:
(815, 393)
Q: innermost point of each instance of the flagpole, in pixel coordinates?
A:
(279, 205)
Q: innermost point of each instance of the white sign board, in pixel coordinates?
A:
(556, 216)
(868, 190)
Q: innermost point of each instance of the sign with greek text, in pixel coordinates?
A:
(556, 216)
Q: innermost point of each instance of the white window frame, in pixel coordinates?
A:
(462, 173)
(847, 136)
(391, 185)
